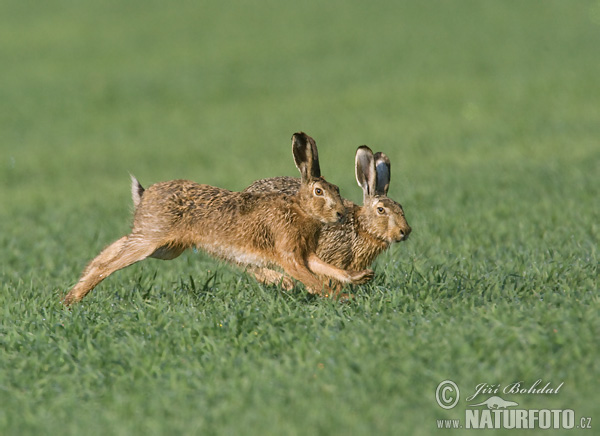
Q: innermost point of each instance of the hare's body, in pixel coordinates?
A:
(185, 214)
(369, 229)
(258, 230)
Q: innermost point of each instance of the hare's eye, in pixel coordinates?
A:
(380, 210)
(318, 191)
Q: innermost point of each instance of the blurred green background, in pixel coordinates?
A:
(490, 113)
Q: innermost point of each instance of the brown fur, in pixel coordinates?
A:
(367, 232)
(261, 230)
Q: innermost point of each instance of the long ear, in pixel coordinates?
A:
(306, 156)
(383, 169)
(365, 170)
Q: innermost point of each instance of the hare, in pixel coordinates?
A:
(260, 230)
(370, 228)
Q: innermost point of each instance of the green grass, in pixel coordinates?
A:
(489, 112)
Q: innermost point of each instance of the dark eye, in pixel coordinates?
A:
(318, 191)
(380, 210)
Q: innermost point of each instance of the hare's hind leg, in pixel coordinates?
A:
(121, 253)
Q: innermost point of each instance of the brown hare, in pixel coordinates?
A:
(370, 228)
(251, 229)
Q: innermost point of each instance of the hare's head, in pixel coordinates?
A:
(383, 216)
(320, 199)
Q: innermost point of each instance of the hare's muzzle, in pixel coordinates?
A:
(403, 234)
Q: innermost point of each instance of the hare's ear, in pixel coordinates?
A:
(306, 156)
(383, 169)
(365, 170)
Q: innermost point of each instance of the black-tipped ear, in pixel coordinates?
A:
(306, 156)
(383, 170)
(365, 170)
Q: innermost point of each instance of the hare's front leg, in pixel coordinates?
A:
(320, 267)
(298, 269)
(121, 253)
(272, 277)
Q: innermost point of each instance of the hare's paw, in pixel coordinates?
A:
(360, 277)
(287, 283)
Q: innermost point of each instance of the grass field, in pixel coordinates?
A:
(490, 113)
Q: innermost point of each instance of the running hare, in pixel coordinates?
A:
(252, 229)
(370, 228)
